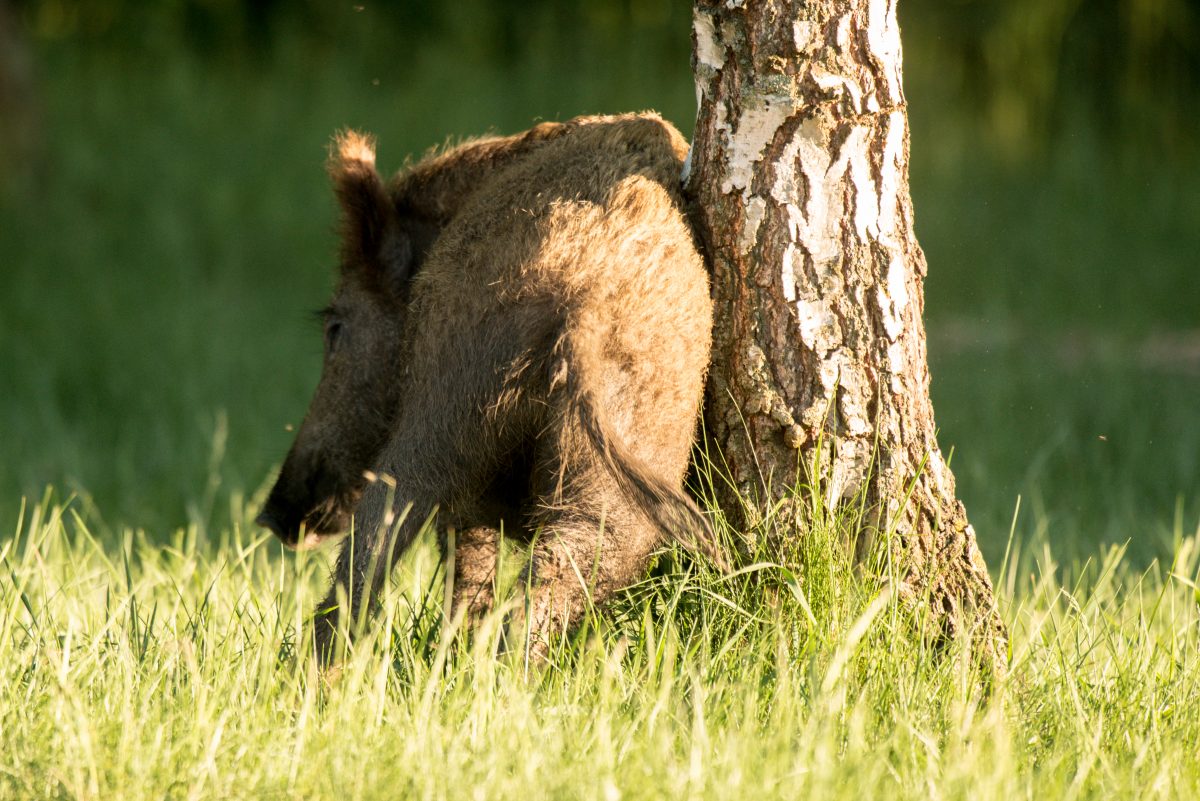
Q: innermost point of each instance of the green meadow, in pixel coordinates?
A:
(159, 260)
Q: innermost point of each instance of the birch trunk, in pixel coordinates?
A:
(799, 177)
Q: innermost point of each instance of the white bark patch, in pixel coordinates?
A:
(756, 207)
(708, 52)
(897, 283)
(890, 324)
(818, 326)
(687, 162)
(842, 37)
(938, 469)
(804, 34)
(866, 198)
(883, 35)
(891, 179)
(854, 414)
(895, 354)
(756, 127)
(814, 222)
(809, 152)
(892, 298)
(790, 254)
(893, 301)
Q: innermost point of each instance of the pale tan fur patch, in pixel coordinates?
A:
(353, 147)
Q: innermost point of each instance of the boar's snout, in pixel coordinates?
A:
(304, 507)
(283, 519)
(269, 519)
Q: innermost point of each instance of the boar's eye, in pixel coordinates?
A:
(333, 330)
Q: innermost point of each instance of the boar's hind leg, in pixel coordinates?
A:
(591, 544)
(475, 551)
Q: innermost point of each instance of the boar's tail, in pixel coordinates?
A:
(664, 504)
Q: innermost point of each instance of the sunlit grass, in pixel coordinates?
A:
(184, 671)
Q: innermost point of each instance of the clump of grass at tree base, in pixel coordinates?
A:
(183, 671)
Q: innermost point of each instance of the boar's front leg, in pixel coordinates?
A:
(380, 535)
(423, 467)
(444, 452)
(365, 563)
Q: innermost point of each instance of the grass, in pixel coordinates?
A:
(154, 343)
(134, 670)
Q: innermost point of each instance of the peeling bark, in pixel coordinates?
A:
(799, 177)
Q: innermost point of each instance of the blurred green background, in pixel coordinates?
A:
(165, 227)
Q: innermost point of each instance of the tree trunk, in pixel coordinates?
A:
(799, 176)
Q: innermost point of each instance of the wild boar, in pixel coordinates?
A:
(519, 340)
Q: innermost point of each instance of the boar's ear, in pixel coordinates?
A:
(373, 240)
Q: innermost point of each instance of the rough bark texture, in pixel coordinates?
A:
(799, 176)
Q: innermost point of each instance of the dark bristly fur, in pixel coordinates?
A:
(519, 339)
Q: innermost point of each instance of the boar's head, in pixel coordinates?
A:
(352, 410)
